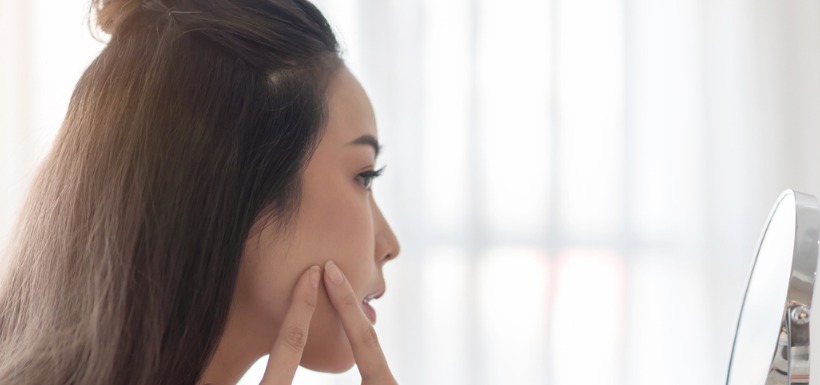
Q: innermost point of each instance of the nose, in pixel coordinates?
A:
(387, 245)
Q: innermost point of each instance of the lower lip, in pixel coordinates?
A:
(369, 312)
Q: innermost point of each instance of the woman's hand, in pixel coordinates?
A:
(290, 343)
(366, 349)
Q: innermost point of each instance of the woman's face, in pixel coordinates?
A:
(338, 219)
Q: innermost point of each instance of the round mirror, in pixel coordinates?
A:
(772, 340)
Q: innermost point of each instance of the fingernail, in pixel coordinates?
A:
(315, 273)
(334, 273)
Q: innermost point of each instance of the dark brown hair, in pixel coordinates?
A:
(193, 124)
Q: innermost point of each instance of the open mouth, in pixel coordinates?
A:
(369, 311)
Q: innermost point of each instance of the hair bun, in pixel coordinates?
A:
(111, 13)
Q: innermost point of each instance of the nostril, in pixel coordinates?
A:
(387, 248)
(386, 257)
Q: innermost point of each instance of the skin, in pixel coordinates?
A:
(338, 220)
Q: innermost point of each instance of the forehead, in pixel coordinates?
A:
(350, 112)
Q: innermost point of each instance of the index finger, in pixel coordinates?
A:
(363, 339)
(290, 342)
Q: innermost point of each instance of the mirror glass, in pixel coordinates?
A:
(765, 302)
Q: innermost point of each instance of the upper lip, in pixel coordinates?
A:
(375, 294)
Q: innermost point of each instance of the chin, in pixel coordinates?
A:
(327, 352)
(328, 366)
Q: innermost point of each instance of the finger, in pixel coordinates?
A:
(290, 342)
(363, 339)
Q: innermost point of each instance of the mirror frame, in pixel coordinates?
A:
(790, 363)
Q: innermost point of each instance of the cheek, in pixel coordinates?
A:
(339, 226)
(328, 349)
(265, 279)
(336, 223)
(265, 286)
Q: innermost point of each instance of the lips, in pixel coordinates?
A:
(367, 309)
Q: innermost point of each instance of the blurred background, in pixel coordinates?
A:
(578, 185)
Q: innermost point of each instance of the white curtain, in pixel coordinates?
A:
(578, 185)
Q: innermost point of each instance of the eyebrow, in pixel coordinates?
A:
(368, 140)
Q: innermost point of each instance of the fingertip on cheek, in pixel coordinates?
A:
(315, 275)
(333, 273)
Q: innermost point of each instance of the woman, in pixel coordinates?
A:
(215, 161)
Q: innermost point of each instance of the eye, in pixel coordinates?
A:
(366, 178)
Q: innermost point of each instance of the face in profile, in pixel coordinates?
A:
(338, 219)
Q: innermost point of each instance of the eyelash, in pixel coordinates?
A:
(367, 177)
